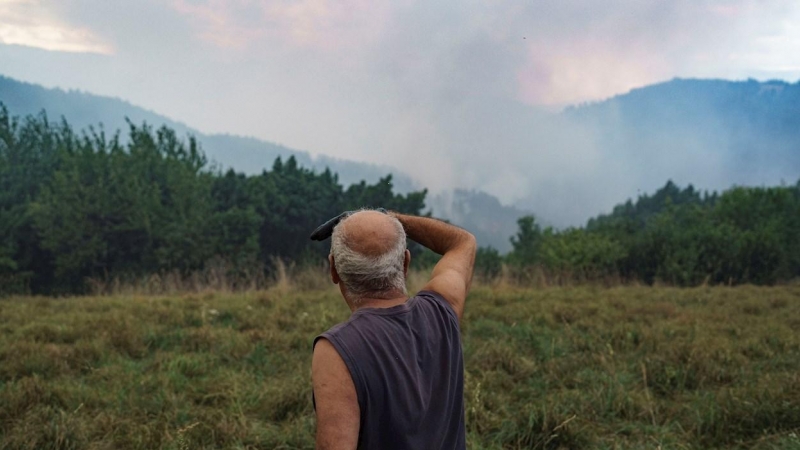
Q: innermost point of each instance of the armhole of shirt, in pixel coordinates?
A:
(441, 301)
(355, 375)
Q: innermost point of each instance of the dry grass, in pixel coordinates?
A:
(577, 367)
(217, 277)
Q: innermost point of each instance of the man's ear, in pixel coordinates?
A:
(334, 274)
(406, 262)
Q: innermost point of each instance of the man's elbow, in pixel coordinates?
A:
(470, 242)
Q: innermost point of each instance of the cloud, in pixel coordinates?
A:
(324, 25)
(30, 23)
(573, 72)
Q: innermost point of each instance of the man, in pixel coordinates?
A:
(392, 376)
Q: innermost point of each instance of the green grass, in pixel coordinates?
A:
(583, 367)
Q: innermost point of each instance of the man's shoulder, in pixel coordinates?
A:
(436, 299)
(335, 329)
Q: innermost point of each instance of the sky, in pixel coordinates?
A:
(456, 94)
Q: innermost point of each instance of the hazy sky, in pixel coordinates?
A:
(451, 92)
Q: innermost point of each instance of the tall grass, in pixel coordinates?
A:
(558, 367)
(217, 277)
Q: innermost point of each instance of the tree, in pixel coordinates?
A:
(526, 243)
(488, 263)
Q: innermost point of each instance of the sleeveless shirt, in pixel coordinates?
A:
(408, 371)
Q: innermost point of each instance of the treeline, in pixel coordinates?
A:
(82, 207)
(76, 207)
(676, 236)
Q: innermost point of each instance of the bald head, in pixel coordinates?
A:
(368, 248)
(371, 233)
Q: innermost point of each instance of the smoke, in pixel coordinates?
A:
(473, 94)
(458, 95)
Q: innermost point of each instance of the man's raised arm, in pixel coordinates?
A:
(452, 275)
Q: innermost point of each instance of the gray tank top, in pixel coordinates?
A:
(408, 370)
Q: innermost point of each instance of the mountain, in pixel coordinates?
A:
(713, 134)
(748, 130)
(244, 154)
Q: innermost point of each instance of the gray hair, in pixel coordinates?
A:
(365, 275)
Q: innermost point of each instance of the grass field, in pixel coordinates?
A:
(583, 367)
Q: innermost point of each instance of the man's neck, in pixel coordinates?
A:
(397, 298)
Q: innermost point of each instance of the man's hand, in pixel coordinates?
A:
(452, 276)
(325, 230)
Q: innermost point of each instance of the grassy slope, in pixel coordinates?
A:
(553, 368)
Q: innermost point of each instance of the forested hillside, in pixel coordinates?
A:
(80, 207)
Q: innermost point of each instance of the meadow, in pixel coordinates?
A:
(559, 367)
